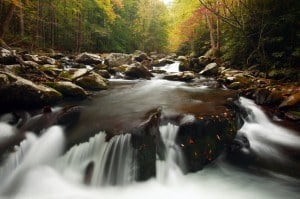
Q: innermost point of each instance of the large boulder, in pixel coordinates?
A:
(93, 81)
(185, 76)
(7, 57)
(203, 139)
(68, 89)
(118, 59)
(211, 69)
(16, 92)
(137, 71)
(88, 58)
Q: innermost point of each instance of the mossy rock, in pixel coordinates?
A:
(17, 92)
(68, 89)
(92, 81)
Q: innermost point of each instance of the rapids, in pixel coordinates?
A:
(106, 168)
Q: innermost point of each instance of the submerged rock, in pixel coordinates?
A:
(16, 92)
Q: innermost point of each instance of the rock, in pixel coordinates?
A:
(88, 58)
(204, 61)
(137, 71)
(140, 56)
(163, 62)
(31, 64)
(46, 60)
(275, 98)
(293, 115)
(291, 101)
(118, 59)
(261, 96)
(119, 69)
(21, 93)
(204, 139)
(68, 89)
(34, 58)
(73, 73)
(93, 81)
(182, 59)
(211, 69)
(51, 70)
(235, 85)
(184, 67)
(147, 141)
(7, 57)
(104, 73)
(185, 76)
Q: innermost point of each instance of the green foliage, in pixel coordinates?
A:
(90, 25)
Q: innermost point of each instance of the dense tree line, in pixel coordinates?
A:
(244, 32)
(84, 25)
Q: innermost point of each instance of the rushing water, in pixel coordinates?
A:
(98, 168)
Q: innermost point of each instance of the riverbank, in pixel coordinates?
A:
(34, 81)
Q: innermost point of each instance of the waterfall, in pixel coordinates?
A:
(31, 153)
(108, 163)
(265, 136)
(170, 169)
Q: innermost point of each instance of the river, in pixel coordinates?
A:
(40, 168)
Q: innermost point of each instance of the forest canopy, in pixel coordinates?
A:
(243, 32)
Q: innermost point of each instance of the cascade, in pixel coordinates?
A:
(112, 162)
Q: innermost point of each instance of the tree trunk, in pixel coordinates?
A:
(211, 32)
(21, 19)
(6, 21)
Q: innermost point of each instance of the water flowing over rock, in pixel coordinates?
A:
(113, 161)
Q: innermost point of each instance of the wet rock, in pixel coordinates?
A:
(118, 59)
(185, 76)
(275, 98)
(88, 58)
(147, 142)
(211, 69)
(293, 115)
(88, 173)
(137, 71)
(205, 138)
(68, 89)
(93, 81)
(119, 69)
(21, 93)
(7, 57)
(184, 63)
